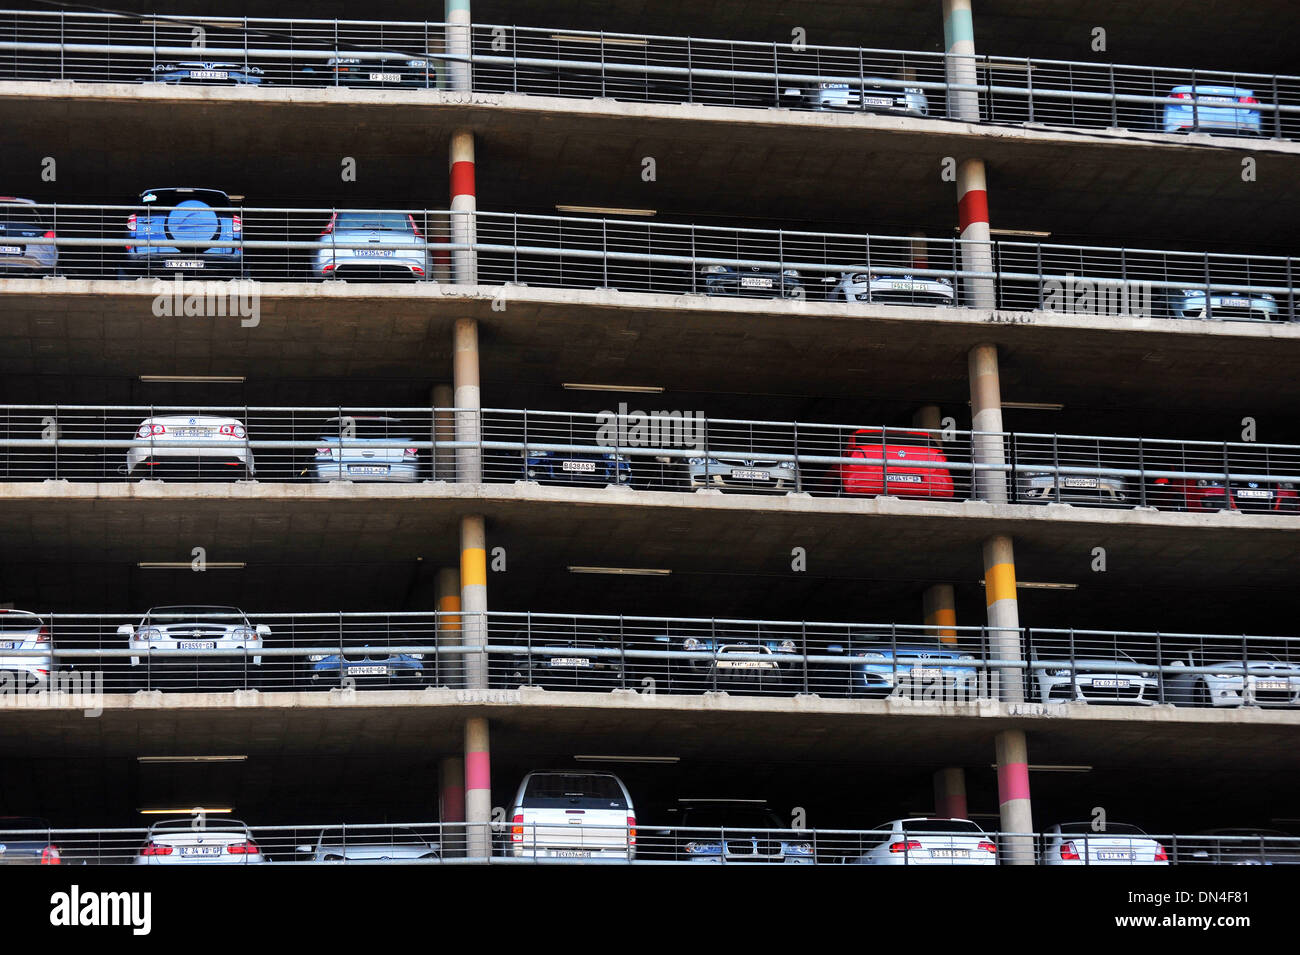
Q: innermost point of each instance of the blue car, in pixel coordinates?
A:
(182, 214)
(367, 665)
(919, 670)
(561, 467)
(1213, 108)
(737, 832)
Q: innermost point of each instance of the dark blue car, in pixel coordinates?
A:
(367, 665)
(562, 467)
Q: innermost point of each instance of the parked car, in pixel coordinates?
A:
(913, 465)
(751, 281)
(1034, 486)
(191, 447)
(1240, 847)
(1077, 843)
(410, 72)
(398, 844)
(931, 842)
(860, 284)
(352, 452)
(572, 815)
(21, 223)
(738, 472)
(27, 840)
(1229, 306)
(1091, 677)
(1208, 494)
(206, 72)
(367, 664)
(184, 214)
(736, 832)
(1262, 679)
(563, 467)
(873, 94)
(1219, 109)
(182, 842)
(736, 664)
(558, 661)
(372, 246)
(174, 630)
(916, 667)
(21, 630)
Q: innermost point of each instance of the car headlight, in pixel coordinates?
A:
(967, 657)
(701, 462)
(416, 656)
(315, 657)
(787, 465)
(1192, 291)
(416, 63)
(913, 89)
(704, 848)
(714, 269)
(1202, 482)
(1058, 672)
(243, 633)
(163, 68)
(870, 655)
(148, 633)
(944, 281)
(1287, 485)
(786, 646)
(791, 273)
(536, 454)
(690, 643)
(255, 70)
(799, 849)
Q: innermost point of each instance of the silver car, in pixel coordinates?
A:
(165, 633)
(1044, 487)
(375, 846)
(372, 245)
(874, 94)
(352, 450)
(930, 842)
(1090, 678)
(1261, 679)
(739, 472)
(21, 630)
(20, 224)
(1078, 843)
(190, 447)
(860, 284)
(1234, 306)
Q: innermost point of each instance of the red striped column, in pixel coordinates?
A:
(973, 220)
(1013, 798)
(478, 788)
(451, 810)
(464, 204)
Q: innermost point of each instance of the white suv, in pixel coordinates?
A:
(572, 815)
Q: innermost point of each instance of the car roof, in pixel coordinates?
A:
(15, 199)
(193, 607)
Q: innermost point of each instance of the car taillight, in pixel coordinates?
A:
(242, 849)
(907, 846)
(236, 224)
(987, 847)
(330, 228)
(153, 849)
(631, 830)
(1161, 856)
(1069, 852)
(49, 234)
(1180, 95)
(43, 635)
(417, 270)
(1247, 99)
(130, 222)
(50, 856)
(411, 452)
(517, 830)
(414, 228)
(233, 429)
(320, 451)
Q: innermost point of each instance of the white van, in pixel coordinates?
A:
(560, 814)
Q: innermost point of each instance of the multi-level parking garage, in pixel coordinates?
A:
(865, 408)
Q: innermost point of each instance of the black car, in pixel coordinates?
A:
(751, 281)
(25, 840)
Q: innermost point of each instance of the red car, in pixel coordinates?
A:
(1189, 494)
(905, 474)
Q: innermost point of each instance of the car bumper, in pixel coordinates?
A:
(1235, 308)
(342, 263)
(403, 473)
(877, 101)
(1042, 488)
(551, 470)
(900, 292)
(32, 259)
(1138, 692)
(720, 476)
(35, 668)
(1231, 119)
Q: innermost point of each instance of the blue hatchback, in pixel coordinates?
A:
(196, 220)
(1217, 108)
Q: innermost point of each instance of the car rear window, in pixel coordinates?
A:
(20, 215)
(174, 197)
(381, 221)
(1112, 829)
(558, 790)
(363, 428)
(942, 825)
(18, 622)
(904, 439)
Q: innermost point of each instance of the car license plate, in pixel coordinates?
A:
(583, 467)
(8, 645)
(367, 468)
(201, 850)
(1080, 482)
(908, 286)
(877, 101)
(1259, 684)
(1232, 303)
(570, 662)
(209, 75)
(1109, 683)
(191, 432)
(926, 673)
(833, 86)
(755, 281)
(373, 252)
(368, 670)
(1115, 855)
(11, 250)
(183, 263)
(385, 77)
(1218, 99)
(197, 645)
(1254, 495)
(906, 478)
(745, 664)
(743, 475)
(949, 853)
(571, 853)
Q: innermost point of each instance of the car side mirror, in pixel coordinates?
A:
(302, 849)
(126, 630)
(263, 630)
(835, 648)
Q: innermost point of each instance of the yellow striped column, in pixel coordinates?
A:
(939, 605)
(473, 598)
(1003, 615)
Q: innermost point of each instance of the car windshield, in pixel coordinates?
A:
(929, 826)
(216, 615)
(562, 790)
(374, 221)
(174, 197)
(20, 215)
(1112, 829)
(18, 621)
(731, 817)
(906, 439)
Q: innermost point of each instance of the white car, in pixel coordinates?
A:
(1260, 680)
(572, 815)
(21, 630)
(182, 842)
(931, 842)
(1077, 843)
(362, 845)
(191, 447)
(1094, 680)
(164, 635)
(740, 472)
(863, 285)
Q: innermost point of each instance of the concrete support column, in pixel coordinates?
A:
(469, 460)
(451, 805)
(950, 793)
(988, 446)
(1003, 616)
(444, 433)
(1013, 798)
(459, 76)
(976, 247)
(478, 788)
(959, 61)
(451, 666)
(464, 205)
(473, 598)
(939, 605)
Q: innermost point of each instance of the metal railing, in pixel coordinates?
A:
(312, 245)
(76, 658)
(660, 450)
(176, 841)
(90, 47)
